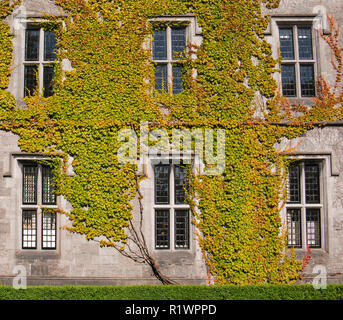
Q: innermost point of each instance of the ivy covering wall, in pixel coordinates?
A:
(109, 88)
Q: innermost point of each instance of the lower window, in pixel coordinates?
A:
(38, 201)
(304, 208)
(172, 222)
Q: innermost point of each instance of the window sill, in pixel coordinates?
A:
(37, 254)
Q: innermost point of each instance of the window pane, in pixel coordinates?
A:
(161, 78)
(29, 184)
(30, 79)
(313, 228)
(181, 229)
(288, 80)
(162, 229)
(32, 45)
(48, 80)
(159, 47)
(177, 79)
(49, 46)
(294, 228)
(48, 195)
(286, 43)
(178, 41)
(307, 80)
(312, 189)
(48, 230)
(294, 184)
(29, 229)
(162, 184)
(305, 43)
(180, 181)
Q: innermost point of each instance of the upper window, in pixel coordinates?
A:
(38, 190)
(305, 205)
(39, 55)
(168, 47)
(298, 61)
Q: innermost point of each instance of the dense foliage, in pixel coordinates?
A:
(109, 87)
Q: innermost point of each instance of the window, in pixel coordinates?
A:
(39, 55)
(171, 210)
(305, 205)
(298, 60)
(38, 189)
(168, 47)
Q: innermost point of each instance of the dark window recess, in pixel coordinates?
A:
(178, 41)
(180, 178)
(48, 194)
(294, 184)
(48, 80)
(181, 229)
(162, 184)
(307, 80)
(288, 80)
(48, 230)
(161, 78)
(29, 184)
(49, 46)
(312, 188)
(160, 45)
(313, 228)
(286, 43)
(32, 45)
(305, 43)
(30, 79)
(29, 229)
(294, 228)
(162, 226)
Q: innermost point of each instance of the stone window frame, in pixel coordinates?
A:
(324, 164)
(193, 36)
(272, 31)
(20, 161)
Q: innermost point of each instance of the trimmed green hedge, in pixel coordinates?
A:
(148, 292)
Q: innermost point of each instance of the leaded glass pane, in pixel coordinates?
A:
(294, 184)
(48, 230)
(162, 234)
(286, 43)
(49, 46)
(307, 80)
(181, 229)
(294, 228)
(32, 44)
(161, 78)
(162, 184)
(288, 80)
(29, 184)
(159, 47)
(180, 182)
(312, 189)
(305, 43)
(178, 42)
(48, 80)
(313, 228)
(30, 79)
(177, 79)
(48, 194)
(29, 229)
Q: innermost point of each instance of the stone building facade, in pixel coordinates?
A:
(65, 258)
